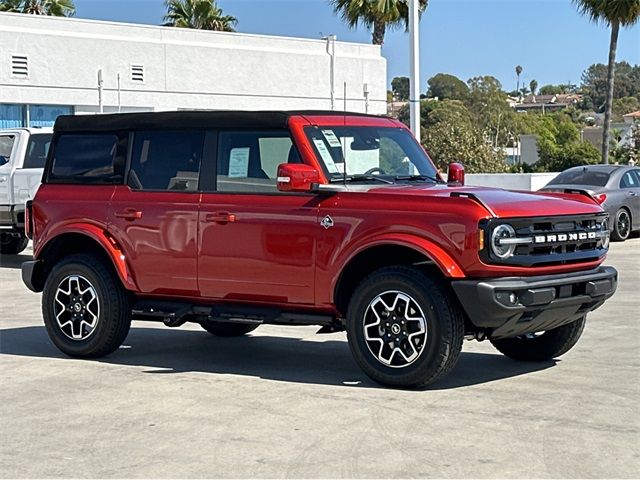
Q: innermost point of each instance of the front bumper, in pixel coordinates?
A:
(514, 306)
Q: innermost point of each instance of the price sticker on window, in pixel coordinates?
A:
(331, 138)
(326, 155)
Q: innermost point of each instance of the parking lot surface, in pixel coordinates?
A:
(284, 402)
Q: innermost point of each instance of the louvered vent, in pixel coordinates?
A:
(20, 66)
(137, 73)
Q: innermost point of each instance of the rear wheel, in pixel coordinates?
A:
(12, 244)
(227, 329)
(538, 347)
(621, 225)
(86, 309)
(404, 329)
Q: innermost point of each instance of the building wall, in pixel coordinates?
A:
(183, 69)
(510, 181)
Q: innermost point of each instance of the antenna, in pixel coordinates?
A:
(344, 138)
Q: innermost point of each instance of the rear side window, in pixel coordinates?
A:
(37, 150)
(90, 158)
(166, 160)
(6, 145)
(629, 180)
(581, 177)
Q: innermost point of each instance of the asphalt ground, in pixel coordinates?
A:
(285, 402)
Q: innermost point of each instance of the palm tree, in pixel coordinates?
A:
(199, 14)
(615, 14)
(533, 86)
(518, 73)
(57, 8)
(375, 14)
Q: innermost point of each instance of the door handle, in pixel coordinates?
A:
(220, 217)
(129, 214)
(633, 194)
(3, 179)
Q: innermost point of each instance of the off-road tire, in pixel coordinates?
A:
(114, 319)
(444, 326)
(224, 329)
(12, 244)
(549, 345)
(618, 232)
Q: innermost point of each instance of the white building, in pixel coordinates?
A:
(51, 66)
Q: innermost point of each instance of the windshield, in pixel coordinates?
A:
(390, 154)
(581, 176)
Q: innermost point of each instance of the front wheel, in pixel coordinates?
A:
(404, 329)
(12, 244)
(534, 347)
(86, 309)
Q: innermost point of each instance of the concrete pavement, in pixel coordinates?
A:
(284, 402)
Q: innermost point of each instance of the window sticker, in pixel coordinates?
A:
(326, 155)
(239, 162)
(331, 138)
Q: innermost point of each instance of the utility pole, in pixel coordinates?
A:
(331, 51)
(414, 62)
(100, 92)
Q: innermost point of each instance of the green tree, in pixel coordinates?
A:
(613, 13)
(626, 82)
(400, 88)
(198, 14)
(518, 73)
(377, 15)
(533, 86)
(56, 8)
(622, 106)
(445, 86)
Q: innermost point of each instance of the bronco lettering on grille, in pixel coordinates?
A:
(565, 237)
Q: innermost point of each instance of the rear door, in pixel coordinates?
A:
(256, 243)
(155, 215)
(630, 186)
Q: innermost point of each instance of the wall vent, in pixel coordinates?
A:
(137, 73)
(20, 66)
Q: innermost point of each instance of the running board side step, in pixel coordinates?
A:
(175, 314)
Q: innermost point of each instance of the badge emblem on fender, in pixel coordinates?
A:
(327, 222)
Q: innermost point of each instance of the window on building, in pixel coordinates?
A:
(37, 150)
(6, 146)
(11, 116)
(166, 160)
(45, 115)
(248, 161)
(90, 158)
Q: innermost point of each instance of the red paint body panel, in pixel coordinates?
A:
(270, 248)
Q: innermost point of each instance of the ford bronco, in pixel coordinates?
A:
(237, 219)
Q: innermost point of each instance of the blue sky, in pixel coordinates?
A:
(552, 42)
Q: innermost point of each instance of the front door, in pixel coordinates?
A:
(256, 244)
(7, 143)
(155, 216)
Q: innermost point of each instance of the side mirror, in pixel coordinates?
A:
(296, 177)
(456, 174)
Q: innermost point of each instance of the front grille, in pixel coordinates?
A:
(551, 240)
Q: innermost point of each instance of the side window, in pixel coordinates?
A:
(95, 158)
(629, 180)
(37, 150)
(248, 161)
(6, 145)
(166, 160)
(636, 174)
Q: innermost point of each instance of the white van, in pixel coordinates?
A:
(23, 152)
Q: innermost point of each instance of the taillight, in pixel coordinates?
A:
(600, 198)
(28, 220)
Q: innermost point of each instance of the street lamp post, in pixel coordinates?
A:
(414, 62)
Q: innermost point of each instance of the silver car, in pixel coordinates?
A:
(615, 187)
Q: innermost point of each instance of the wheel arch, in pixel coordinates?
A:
(90, 240)
(396, 250)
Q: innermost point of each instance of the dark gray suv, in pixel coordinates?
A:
(615, 187)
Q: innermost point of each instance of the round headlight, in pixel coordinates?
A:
(604, 229)
(502, 232)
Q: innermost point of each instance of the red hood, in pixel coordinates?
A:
(505, 203)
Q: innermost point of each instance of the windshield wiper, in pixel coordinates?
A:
(361, 178)
(416, 178)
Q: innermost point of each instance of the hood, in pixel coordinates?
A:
(505, 203)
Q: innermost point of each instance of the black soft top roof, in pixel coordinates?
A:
(186, 119)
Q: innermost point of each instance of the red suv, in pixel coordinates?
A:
(236, 219)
